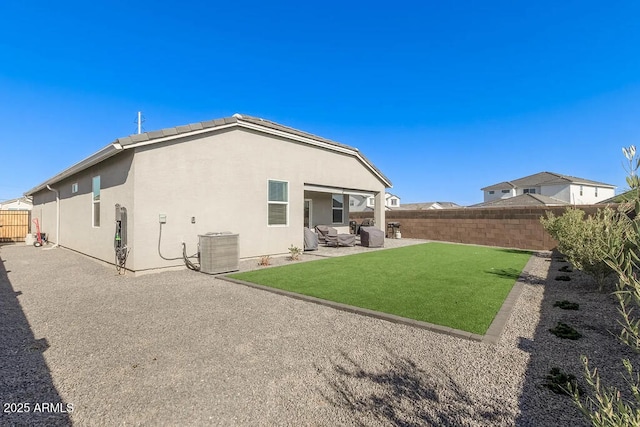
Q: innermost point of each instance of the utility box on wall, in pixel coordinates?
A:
(219, 252)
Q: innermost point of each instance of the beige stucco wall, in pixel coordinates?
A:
(76, 221)
(222, 180)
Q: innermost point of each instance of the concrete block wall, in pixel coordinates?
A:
(511, 227)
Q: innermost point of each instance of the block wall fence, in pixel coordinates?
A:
(510, 227)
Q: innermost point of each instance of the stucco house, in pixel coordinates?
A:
(18, 204)
(426, 206)
(367, 202)
(182, 182)
(522, 200)
(561, 188)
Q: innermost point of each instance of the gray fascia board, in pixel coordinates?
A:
(107, 152)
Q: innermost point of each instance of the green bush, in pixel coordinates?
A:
(607, 406)
(585, 242)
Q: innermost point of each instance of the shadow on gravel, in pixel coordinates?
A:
(27, 393)
(402, 394)
(596, 319)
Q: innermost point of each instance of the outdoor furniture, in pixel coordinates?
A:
(310, 240)
(341, 240)
(367, 222)
(393, 230)
(371, 237)
(324, 231)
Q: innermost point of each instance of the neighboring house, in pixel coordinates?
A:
(19, 204)
(429, 206)
(367, 202)
(242, 174)
(522, 200)
(626, 196)
(568, 189)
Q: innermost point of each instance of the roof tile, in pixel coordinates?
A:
(140, 137)
(156, 134)
(183, 129)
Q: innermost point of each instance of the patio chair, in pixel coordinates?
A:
(371, 237)
(324, 231)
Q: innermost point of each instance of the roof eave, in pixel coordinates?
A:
(130, 142)
(105, 153)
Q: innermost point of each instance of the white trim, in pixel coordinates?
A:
(337, 190)
(268, 130)
(94, 202)
(108, 151)
(178, 135)
(333, 208)
(287, 203)
(116, 146)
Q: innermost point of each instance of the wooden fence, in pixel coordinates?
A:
(14, 225)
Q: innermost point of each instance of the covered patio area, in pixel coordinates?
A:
(328, 205)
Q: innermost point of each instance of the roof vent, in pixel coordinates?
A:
(237, 115)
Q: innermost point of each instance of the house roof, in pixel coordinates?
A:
(427, 205)
(237, 120)
(22, 199)
(621, 198)
(544, 178)
(522, 200)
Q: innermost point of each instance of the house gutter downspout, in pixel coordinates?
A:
(57, 215)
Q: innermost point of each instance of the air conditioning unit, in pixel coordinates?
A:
(219, 252)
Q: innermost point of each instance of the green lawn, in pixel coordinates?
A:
(459, 286)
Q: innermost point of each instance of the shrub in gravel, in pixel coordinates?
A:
(264, 261)
(294, 253)
(607, 406)
(584, 241)
(561, 383)
(562, 330)
(567, 305)
(563, 278)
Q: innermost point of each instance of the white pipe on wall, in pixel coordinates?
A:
(57, 215)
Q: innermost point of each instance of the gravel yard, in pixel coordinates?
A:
(183, 348)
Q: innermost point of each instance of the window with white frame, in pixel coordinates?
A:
(337, 202)
(371, 201)
(506, 191)
(352, 202)
(278, 202)
(596, 191)
(581, 190)
(95, 185)
(394, 202)
(74, 188)
(491, 192)
(529, 191)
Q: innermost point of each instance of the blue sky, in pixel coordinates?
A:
(443, 97)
